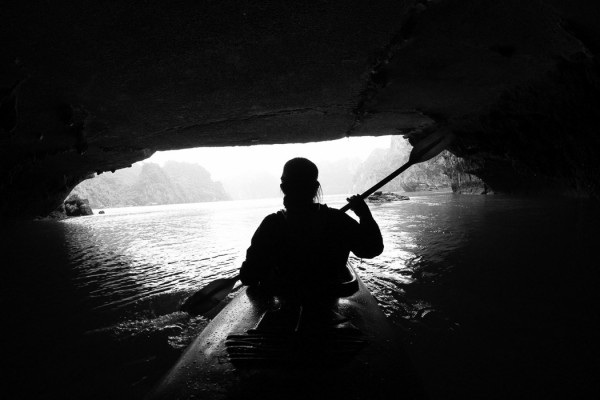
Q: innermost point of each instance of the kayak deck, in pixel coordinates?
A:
(294, 336)
(263, 349)
(257, 347)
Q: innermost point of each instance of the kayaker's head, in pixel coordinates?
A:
(299, 182)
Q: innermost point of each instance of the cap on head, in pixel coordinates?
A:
(299, 170)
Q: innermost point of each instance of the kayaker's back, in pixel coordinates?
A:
(302, 249)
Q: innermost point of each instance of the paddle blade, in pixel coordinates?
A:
(430, 146)
(209, 296)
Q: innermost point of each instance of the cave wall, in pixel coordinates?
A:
(94, 86)
(514, 84)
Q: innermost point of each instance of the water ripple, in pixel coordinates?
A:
(131, 256)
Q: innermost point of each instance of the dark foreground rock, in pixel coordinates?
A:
(75, 206)
(56, 215)
(463, 183)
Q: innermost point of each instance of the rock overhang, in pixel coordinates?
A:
(94, 87)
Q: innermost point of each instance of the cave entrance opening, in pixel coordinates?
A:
(346, 166)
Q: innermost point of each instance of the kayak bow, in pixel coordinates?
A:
(260, 346)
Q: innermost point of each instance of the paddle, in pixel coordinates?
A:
(212, 294)
(209, 296)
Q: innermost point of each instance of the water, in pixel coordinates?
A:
(483, 290)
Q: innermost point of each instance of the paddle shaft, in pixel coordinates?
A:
(381, 183)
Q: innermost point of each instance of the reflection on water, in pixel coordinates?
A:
(481, 289)
(133, 255)
(140, 255)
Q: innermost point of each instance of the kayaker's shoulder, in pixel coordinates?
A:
(324, 208)
(335, 213)
(274, 218)
(270, 222)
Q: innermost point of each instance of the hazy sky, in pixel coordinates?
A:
(223, 162)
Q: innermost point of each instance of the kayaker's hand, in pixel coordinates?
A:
(359, 206)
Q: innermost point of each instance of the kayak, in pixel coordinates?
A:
(261, 346)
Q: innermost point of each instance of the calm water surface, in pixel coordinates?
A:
(493, 296)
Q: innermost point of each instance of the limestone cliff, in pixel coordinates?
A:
(150, 184)
(432, 174)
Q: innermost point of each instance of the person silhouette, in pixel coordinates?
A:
(301, 250)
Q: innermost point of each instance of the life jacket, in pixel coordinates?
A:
(310, 252)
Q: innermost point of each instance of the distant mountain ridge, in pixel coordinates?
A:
(149, 183)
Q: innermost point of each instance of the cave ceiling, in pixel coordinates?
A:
(94, 86)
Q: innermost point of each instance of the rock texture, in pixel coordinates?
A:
(151, 184)
(75, 206)
(386, 197)
(428, 175)
(463, 176)
(91, 86)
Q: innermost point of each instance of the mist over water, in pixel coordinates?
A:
(481, 289)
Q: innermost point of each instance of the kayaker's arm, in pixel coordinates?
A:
(369, 242)
(259, 256)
